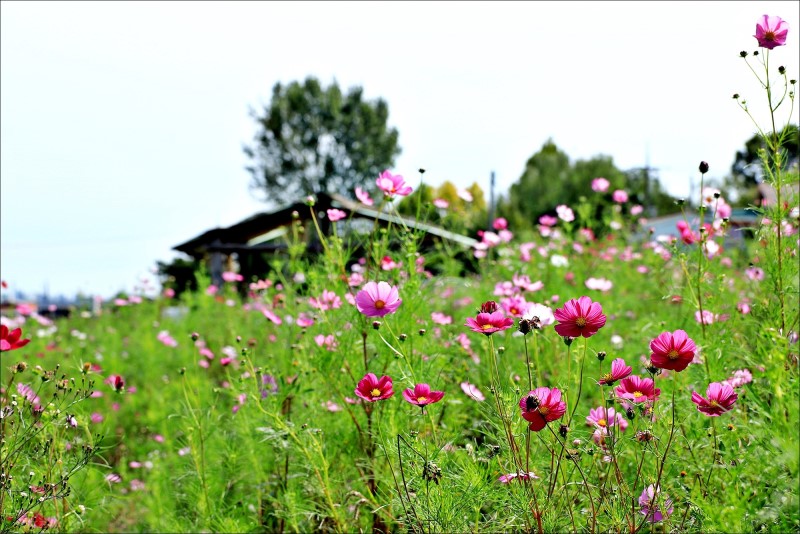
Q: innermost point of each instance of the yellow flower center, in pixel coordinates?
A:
(543, 410)
(580, 321)
(379, 304)
(421, 399)
(714, 404)
(375, 392)
(637, 394)
(601, 422)
(486, 326)
(673, 354)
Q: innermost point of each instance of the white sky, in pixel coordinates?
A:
(122, 124)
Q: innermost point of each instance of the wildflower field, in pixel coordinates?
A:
(606, 380)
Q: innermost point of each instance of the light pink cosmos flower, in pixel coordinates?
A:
(543, 313)
(754, 273)
(465, 195)
(706, 317)
(392, 185)
(378, 300)
(372, 389)
(440, 318)
(564, 213)
(336, 215)
(619, 370)
(721, 398)
(579, 318)
(600, 185)
(364, 197)
(673, 351)
(422, 395)
(637, 389)
(515, 306)
(600, 418)
(620, 196)
(599, 284)
(739, 378)
(329, 342)
(541, 406)
(505, 479)
(638, 209)
(472, 391)
(304, 320)
(771, 32)
(230, 277)
(328, 301)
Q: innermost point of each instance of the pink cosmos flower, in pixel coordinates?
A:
(363, 197)
(505, 479)
(620, 196)
(500, 224)
(377, 300)
(599, 284)
(489, 323)
(543, 313)
(329, 341)
(371, 388)
(387, 263)
(654, 509)
(739, 378)
(637, 210)
(514, 306)
(548, 220)
(464, 195)
(228, 276)
(771, 32)
(600, 185)
(637, 389)
(706, 317)
(328, 301)
(754, 273)
(472, 391)
(440, 318)
(11, 340)
(304, 320)
(392, 185)
(618, 371)
(565, 213)
(672, 351)
(720, 399)
(441, 203)
(422, 395)
(580, 317)
(601, 418)
(336, 215)
(542, 406)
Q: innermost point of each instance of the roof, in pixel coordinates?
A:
(235, 238)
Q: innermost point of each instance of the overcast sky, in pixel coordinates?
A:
(122, 124)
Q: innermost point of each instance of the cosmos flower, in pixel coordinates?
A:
(579, 317)
(392, 185)
(371, 388)
(673, 351)
(422, 395)
(378, 300)
(721, 398)
(542, 406)
(771, 32)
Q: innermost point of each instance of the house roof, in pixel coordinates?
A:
(235, 238)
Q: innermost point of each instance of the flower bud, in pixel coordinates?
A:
(402, 337)
(781, 70)
(195, 336)
(736, 96)
(421, 332)
(755, 52)
(703, 167)
(489, 306)
(601, 355)
(376, 324)
(563, 429)
(422, 171)
(568, 340)
(630, 413)
(743, 53)
(524, 327)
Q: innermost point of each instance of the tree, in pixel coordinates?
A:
(746, 171)
(312, 139)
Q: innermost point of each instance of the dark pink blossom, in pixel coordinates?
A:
(673, 351)
(422, 395)
(489, 323)
(579, 318)
(637, 389)
(720, 399)
(619, 370)
(542, 406)
(371, 388)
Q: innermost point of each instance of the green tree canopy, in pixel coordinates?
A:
(746, 171)
(314, 139)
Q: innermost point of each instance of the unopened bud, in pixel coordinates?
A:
(568, 340)
(736, 96)
(781, 70)
(402, 337)
(489, 306)
(422, 331)
(601, 355)
(563, 429)
(524, 327)
(755, 52)
(630, 413)
(376, 324)
(743, 53)
(703, 167)
(195, 336)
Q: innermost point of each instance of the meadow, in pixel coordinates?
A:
(607, 380)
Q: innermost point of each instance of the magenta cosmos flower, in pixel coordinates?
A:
(11, 340)
(392, 185)
(637, 389)
(371, 388)
(720, 399)
(579, 317)
(541, 406)
(673, 351)
(489, 323)
(618, 371)
(422, 395)
(771, 32)
(600, 418)
(377, 300)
